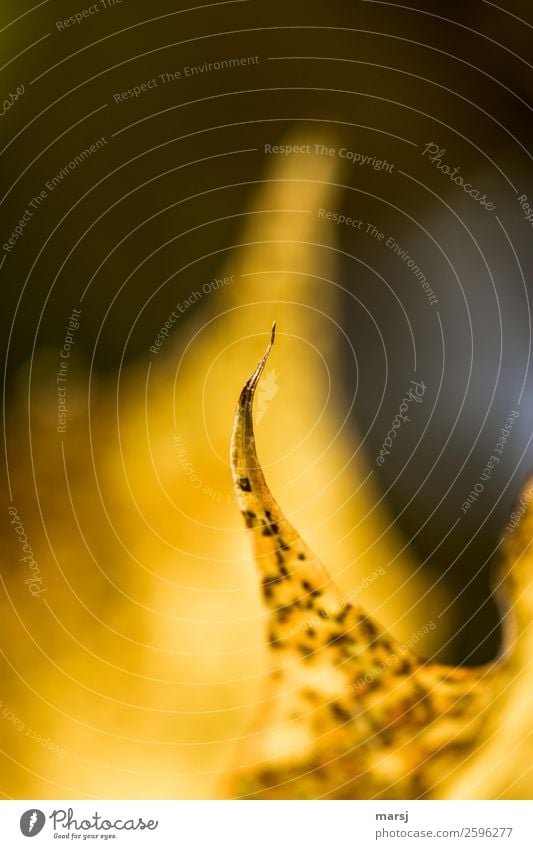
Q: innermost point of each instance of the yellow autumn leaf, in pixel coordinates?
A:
(350, 712)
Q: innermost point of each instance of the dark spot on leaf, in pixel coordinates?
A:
(274, 641)
(344, 612)
(403, 668)
(275, 528)
(335, 638)
(283, 613)
(311, 695)
(267, 589)
(339, 713)
(367, 626)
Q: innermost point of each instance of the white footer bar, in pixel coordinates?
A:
(267, 825)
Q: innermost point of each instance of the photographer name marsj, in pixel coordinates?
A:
(97, 826)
